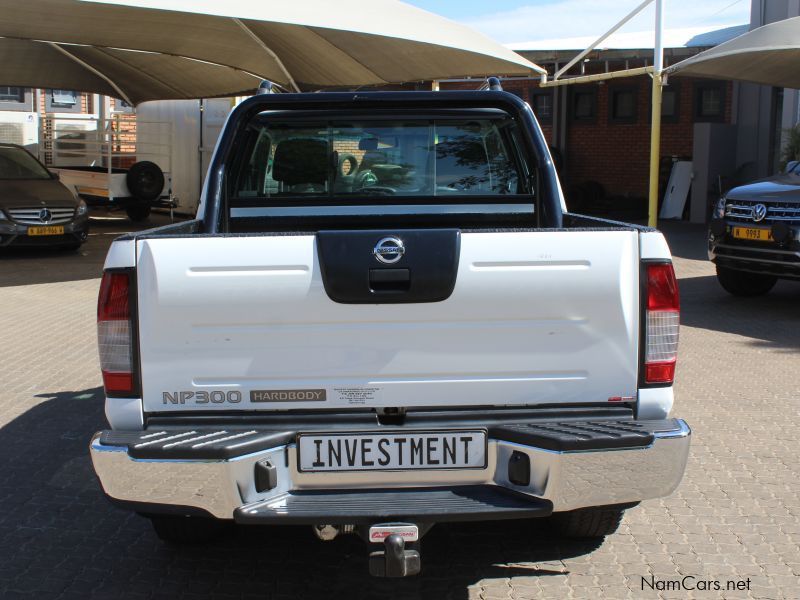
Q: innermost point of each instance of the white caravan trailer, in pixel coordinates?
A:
(155, 159)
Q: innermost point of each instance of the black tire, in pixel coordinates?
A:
(180, 530)
(145, 180)
(744, 283)
(139, 212)
(352, 163)
(587, 523)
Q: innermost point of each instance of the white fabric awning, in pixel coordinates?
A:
(206, 48)
(132, 76)
(769, 55)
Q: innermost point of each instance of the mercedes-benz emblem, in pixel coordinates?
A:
(389, 250)
(45, 215)
(759, 212)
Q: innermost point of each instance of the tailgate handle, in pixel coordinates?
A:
(389, 280)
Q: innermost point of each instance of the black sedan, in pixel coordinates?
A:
(35, 208)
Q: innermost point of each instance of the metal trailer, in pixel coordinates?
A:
(196, 125)
(109, 163)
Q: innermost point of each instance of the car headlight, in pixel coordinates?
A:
(3, 216)
(719, 208)
(82, 209)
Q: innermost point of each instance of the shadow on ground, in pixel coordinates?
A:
(30, 265)
(686, 240)
(60, 538)
(773, 320)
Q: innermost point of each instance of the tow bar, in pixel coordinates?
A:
(394, 560)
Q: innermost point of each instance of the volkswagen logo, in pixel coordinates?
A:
(759, 212)
(389, 250)
(45, 215)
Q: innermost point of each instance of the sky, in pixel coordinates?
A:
(515, 21)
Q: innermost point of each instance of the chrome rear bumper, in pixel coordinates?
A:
(221, 486)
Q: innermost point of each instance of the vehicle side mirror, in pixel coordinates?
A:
(791, 166)
(54, 175)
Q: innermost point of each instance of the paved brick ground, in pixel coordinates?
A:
(736, 516)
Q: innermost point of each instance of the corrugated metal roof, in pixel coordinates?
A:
(689, 37)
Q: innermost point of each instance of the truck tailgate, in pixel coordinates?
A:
(245, 323)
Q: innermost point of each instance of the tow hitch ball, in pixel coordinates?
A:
(394, 559)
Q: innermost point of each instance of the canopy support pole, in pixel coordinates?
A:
(89, 67)
(655, 128)
(269, 51)
(596, 77)
(602, 38)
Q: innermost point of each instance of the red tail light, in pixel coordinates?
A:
(663, 322)
(114, 333)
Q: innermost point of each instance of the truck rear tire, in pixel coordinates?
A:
(587, 523)
(744, 283)
(180, 530)
(139, 212)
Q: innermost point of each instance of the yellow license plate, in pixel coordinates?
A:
(49, 230)
(757, 234)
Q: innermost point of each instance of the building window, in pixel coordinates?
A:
(63, 101)
(542, 104)
(12, 94)
(669, 104)
(622, 103)
(584, 105)
(120, 106)
(709, 101)
(63, 98)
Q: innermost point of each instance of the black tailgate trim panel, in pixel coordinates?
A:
(350, 270)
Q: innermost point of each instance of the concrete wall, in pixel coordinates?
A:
(756, 140)
(713, 155)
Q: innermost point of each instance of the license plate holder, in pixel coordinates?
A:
(755, 234)
(418, 450)
(46, 230)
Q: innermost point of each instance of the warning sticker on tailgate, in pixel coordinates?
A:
(357, 394)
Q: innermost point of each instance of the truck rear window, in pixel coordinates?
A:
(403, 166)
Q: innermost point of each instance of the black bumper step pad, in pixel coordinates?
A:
(196, 444)
(222, 443)
(462, 503)
(577, 435)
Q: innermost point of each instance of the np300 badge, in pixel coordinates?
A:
(389, 250)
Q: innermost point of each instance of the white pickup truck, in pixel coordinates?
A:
(383, 318)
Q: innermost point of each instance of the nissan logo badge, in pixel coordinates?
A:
(389, 250)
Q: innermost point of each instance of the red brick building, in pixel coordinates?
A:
(599, 132)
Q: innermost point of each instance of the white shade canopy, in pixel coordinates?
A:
(769, 55)
(134, 76)
(206, 48)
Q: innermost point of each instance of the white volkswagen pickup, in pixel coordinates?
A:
(382, 318)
